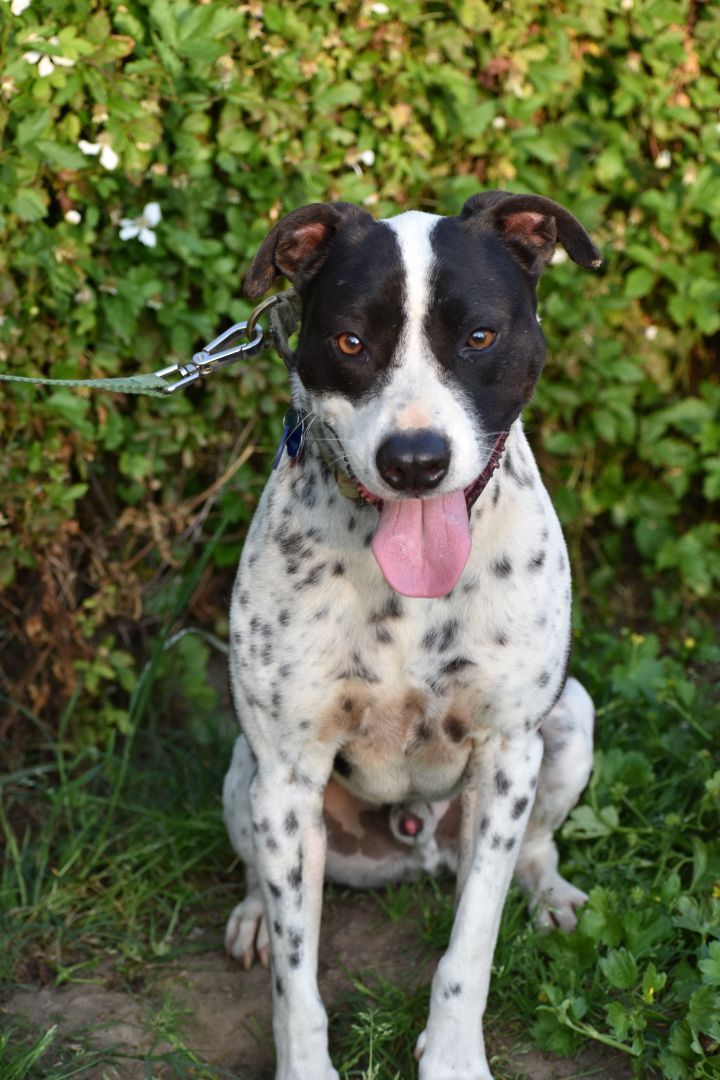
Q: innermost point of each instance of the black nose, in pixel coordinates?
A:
(413, 460)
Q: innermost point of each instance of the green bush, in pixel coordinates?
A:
(227, 115)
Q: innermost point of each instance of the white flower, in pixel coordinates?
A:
(651, 332)
(367, 157)
(108, 157)
(142, 227)
(663, 160)
(46, 64)
(73, 217)
(559, 257)
(380, 9)
(499, 123)
(18, 6)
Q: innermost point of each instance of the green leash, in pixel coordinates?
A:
(284, 314)
(151, 384)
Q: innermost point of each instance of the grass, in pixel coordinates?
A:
(117, 864)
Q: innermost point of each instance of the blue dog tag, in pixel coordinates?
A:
(293, 436)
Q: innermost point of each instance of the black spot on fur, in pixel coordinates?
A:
(521, 479)
(430, 640)
(295, 940)
(543, 678)
(295, 876)
(284, 617)
(357, 670)
(502, 784)
(291, 823)
(279, 988)
(501, 639)
(456, 664)
(537, 561)
(451, 991)
(423, 731)
(510, 843)
(496, 493)
(501, 567)
(294, 959)
(448, 634)
(484, 825)
(383, 635)
(313, 577)
(496, 840)
(338, 569)
(391, 609)
(244, 599)
(351, 523)
(455, 729)
(519, 807)
(292, 544)
(275, 890)
(277, 927)
(342, 766)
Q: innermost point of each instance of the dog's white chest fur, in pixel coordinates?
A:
(404, 689)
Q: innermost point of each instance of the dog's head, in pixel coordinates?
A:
(419, 346)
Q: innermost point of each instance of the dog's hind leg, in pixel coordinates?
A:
(567, 733)
(246, 935)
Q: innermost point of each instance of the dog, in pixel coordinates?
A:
(400, 623)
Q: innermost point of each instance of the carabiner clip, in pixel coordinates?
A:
(208, 360)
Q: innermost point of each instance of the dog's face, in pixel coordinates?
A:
(419, 342)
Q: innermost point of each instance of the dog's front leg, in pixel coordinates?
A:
(503, 779)
(290, 845)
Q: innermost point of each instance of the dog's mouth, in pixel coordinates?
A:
(423, 544)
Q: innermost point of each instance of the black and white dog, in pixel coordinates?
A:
(401, 618)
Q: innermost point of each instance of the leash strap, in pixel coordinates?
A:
(151, 384)
(284, 309)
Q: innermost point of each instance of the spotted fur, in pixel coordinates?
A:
(384, 735)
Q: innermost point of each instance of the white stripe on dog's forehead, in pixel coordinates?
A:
(413, 231)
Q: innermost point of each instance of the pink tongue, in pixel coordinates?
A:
(422, 545)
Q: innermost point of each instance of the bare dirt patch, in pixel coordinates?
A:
(224, 1013)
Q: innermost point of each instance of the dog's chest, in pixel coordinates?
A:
(401, 690)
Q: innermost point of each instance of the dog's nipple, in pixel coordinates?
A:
(410, 824)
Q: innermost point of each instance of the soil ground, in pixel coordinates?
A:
(225, 1012)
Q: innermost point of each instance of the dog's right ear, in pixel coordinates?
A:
(298, 245)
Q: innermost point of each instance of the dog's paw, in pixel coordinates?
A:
(557, 906)
(246, 934)
(433, 1067)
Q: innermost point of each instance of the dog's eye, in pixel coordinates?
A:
(349, 344)
(481, 339)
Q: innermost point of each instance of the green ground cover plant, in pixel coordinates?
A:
(146, 148)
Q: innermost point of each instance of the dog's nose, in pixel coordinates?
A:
(413, 460)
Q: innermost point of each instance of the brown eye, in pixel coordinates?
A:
(349, 344)
(481, 339)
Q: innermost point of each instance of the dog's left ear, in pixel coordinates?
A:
(531, 226)
(299, 244)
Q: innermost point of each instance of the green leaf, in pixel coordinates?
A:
(620, 969)
(29, 204)
(65, 157)
(710, 964)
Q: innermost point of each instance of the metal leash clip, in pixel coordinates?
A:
(208, 361)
